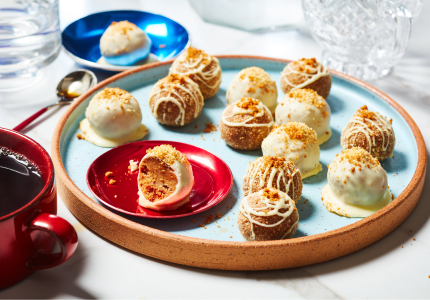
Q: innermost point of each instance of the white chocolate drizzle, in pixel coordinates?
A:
(284, 202)
(256, 169)
(196, 67)
(312, 74)
(192, 89)
(356, 126)
(241, 111)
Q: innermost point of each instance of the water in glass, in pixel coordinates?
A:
(30, 39)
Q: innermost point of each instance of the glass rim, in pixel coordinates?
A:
(21, 18)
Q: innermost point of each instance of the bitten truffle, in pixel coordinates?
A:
(165, 179)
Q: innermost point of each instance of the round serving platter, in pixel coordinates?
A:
(203, 240)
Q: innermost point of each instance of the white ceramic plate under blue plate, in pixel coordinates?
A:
(344, 100)
(81, 38)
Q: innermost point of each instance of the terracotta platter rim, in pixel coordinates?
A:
(409, 189)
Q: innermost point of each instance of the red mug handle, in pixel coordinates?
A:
(62, 231)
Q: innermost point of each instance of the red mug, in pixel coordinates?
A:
(29, 234)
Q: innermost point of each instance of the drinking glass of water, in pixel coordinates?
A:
(30, 39)
(362, 38)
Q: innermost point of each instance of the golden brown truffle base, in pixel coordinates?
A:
(168, 112)
(267, 233)
(243, 138)
(322, 86)
(155, 186)
(360, 140)
(208, 88)
(184, 91)
(268, 163)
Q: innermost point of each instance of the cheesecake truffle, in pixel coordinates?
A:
(297, 143)
(245, 123)
(175, 100)
(254, 83)
(273, 172)
(357, 184)
(371, 131)
(306, 106)
(201, 67)
(113, 118)
(306, 73)
(165, 179)
(267, 215)
(123, 44)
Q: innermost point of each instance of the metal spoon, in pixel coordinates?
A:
(68, 89)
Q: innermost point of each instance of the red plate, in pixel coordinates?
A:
(213, 180)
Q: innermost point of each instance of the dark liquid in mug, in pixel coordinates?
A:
(20, 181)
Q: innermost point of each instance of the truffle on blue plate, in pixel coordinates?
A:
(124, 44)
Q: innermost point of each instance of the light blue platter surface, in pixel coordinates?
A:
(344, 100)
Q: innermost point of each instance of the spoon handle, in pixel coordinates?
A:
(27, 122)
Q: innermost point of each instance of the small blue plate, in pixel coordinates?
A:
(81, 38)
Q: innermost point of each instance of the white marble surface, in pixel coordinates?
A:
(397, 266)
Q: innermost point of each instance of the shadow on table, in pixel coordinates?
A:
(62, 281)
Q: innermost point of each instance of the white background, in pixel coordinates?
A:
(395, 267)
